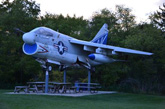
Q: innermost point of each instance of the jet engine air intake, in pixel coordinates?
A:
(29, 49)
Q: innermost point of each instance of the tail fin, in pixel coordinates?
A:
(102, 35)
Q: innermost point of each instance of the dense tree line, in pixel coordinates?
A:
(143, 74)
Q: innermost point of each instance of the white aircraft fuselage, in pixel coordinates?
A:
(47, 45)
(54, 48)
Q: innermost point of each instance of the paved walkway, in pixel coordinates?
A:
(84, 93)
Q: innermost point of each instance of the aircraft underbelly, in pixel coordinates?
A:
(65, 58)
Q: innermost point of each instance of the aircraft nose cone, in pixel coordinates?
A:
(29, 38)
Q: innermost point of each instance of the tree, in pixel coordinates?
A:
(101, 17)
(27, 11)
(158, 18)
(126, 20)
(22, 14)
(72, 26)
(148, 71)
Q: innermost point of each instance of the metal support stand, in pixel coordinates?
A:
(89, 80)
(65, 76)
(46, 80)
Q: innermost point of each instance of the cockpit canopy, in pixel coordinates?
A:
(43, 31)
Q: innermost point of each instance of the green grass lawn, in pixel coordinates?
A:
(107, 101)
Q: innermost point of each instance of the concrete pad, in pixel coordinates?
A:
(84, 93)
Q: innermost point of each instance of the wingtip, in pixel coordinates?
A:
(150, 54)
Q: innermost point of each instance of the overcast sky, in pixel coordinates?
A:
(85, 8)
(140, 8)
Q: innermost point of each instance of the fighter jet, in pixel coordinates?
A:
(49, 46)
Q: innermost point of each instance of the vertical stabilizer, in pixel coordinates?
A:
(102, 35)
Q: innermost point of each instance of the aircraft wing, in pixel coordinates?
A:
(106, 49)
